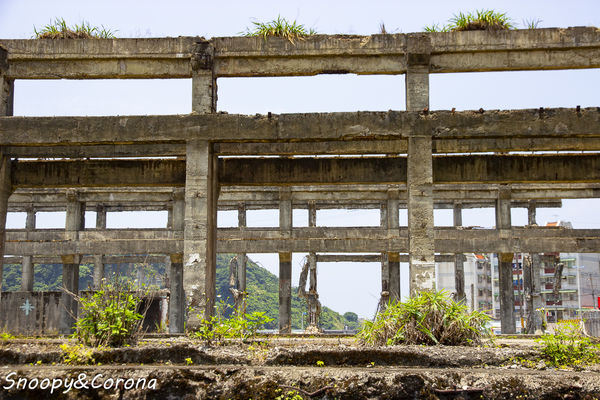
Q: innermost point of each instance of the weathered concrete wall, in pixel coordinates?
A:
(30, 313)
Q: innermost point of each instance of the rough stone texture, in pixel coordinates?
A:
(5, 191)
(285, 292)
(199, 261)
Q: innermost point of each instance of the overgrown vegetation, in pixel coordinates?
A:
(480, 20)
(237, 326)
(568, 346)
(111, 316)
(59, 29)
(77, 354)
(279, 27)
(430, 318)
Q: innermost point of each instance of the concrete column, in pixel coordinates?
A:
(176, 294)
(505, 272)
(393, 257)
(285, 292)
(74, 223)
(385, 281)
(312, 214)
(100, 217)
(27, 261)
(531, 212)
(204, 82)
(419, 173)
(6, 86)
(242, 261)
(176, 269)
(314, 306)
(99, 258)
(459, 259)
(531, 288)
(5, 191)
(201, 194)
(285, 263)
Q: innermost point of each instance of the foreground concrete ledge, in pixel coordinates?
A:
(253, 56)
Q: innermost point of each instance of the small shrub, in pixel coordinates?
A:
(111, 316)
(6, 336)
(568, 346)
(429, 318)
(238, 326)
(279, 27)
(58, 29)
(480, 20)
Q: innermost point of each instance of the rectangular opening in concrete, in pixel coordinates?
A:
(300, 217)
(349, 217)
(581, 213)
(350, 286)
(518, 216)
(227, 219)
(16, 220)
(479, 217)
(136, 219)
(50, 220)
(102, 97)
(443, 217)
(90, 219)
(262, 218)
(519, 89)
(321, 93)
(403, 217)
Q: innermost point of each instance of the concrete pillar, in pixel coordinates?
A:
(285, 292)
(27, 261)
(459, 259)
(6, 86)
(74, 223)
(176, 294)
(505, 272)
(176, 270)
(99, 258)
(5, 191)
(100, 217)
(285, 263)
(531, 212)
(200, 235)
(531, 288)
(204, 82)
(312, 214)
(314, 306)
(419, 170)
(393, 257)
(242, 260)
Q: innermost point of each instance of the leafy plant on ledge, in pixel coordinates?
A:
(58, 29)
(480, 20)
(279, 27)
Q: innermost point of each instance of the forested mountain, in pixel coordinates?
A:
(262, 286)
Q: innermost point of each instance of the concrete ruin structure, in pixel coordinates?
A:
(418, 159)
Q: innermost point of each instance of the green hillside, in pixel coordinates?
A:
(262, 286)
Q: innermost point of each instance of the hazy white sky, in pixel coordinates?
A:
(343, 286)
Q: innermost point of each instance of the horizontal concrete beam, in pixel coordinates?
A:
(374, 258)
(557, 124)
(309, 171)
(248, 56)
(319, 239)
(390, 170)
(106, 259)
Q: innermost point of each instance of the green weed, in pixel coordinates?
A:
(480, 20)
(6, 336)
(59, 29)
(568, 346)
(279, 27)
(430, 318)
(77, 354)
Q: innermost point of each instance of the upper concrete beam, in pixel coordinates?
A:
(558, 123)
(551, 48)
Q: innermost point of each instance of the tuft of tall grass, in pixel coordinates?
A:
(429, 318)
(480, 20)
(279, 27)
(58, 29)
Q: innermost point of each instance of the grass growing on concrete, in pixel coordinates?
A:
(480, 20)
(568, 346)
(59, 29)
(430, 318)
(279, 27)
